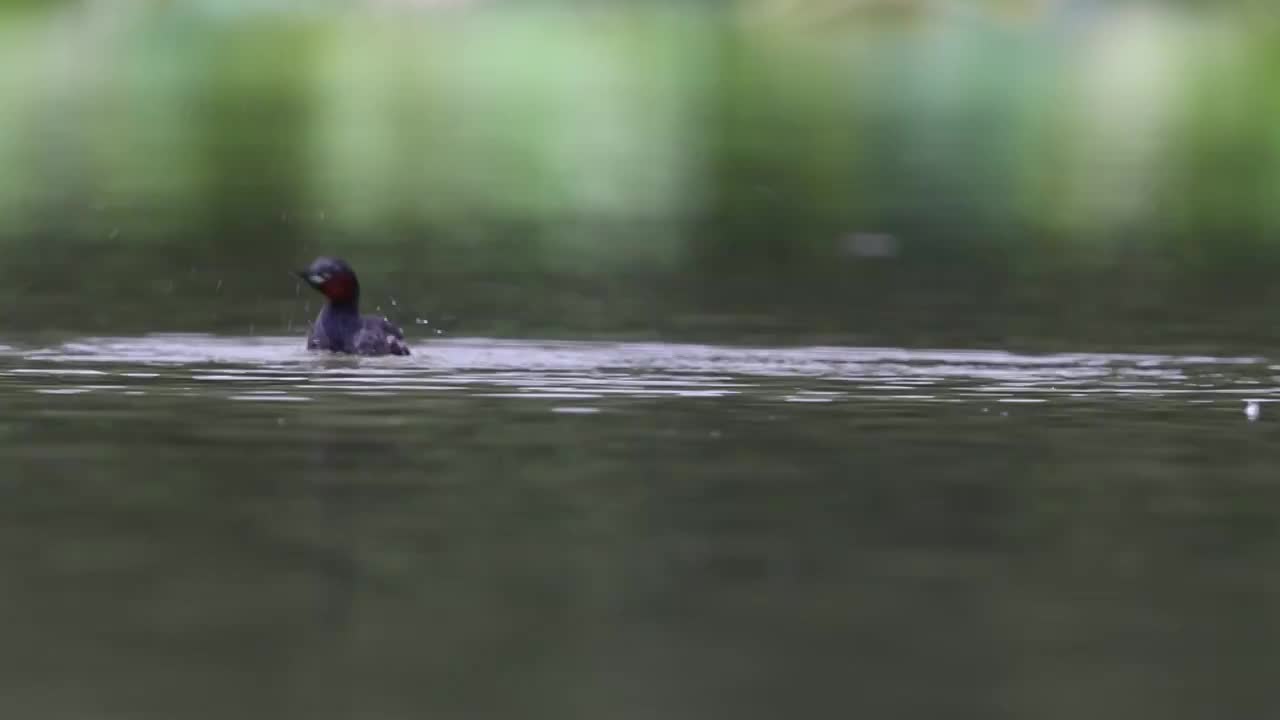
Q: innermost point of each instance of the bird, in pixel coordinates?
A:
(340, 328)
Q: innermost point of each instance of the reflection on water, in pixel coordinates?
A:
(223, 527)
(278, 369)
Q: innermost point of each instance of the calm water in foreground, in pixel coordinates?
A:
(201, 527)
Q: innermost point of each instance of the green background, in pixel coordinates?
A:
(1056, 175)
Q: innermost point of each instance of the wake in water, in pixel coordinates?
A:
(279, 367)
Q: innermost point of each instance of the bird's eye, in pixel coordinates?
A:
(319, 278)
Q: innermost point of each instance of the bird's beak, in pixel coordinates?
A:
(304, 276)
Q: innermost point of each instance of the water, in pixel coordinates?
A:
(199, 526)
(224, 526)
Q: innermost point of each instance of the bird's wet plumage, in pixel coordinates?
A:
(340, 327)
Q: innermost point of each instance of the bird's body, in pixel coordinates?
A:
(344, 332)
(340, 327)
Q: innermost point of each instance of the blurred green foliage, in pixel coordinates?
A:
(1046, 171)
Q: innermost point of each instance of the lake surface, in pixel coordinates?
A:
(214, 527)
(867, 523)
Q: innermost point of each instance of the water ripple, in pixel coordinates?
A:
(594, 373)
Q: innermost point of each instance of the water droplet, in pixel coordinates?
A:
(1252, 410)
(219, 287)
